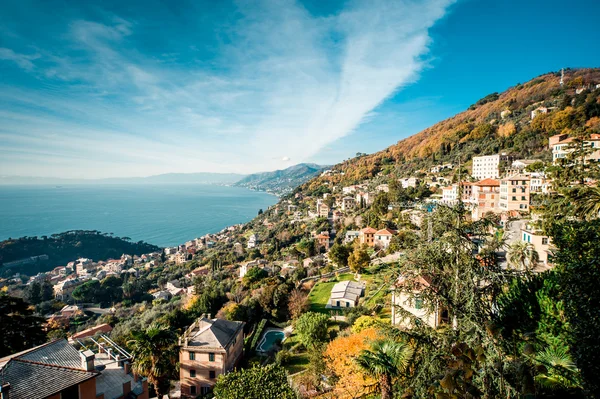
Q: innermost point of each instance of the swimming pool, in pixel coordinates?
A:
(269, 339)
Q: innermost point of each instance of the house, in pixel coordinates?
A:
(406, 299)
(322, 209)
(409, 182)
(383, 187)
(561, 145)
(252, 241)
(64, 289)
(348, 203)
(540, 183)
(367, 236)
(345, 294)
(505, 113)
(163, 295)
(485, 198)
(249, 265)
(351, 235)
(540, 242)
(450, 194)
(69, 311)
(350, 189)
(514, 193)
(208, 348)
(486, 167)
(383, 238)
(323, 240)
(364, 198)
(57, 370)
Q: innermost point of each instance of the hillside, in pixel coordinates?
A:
(281, 181)
(498, 123)
(65, 247)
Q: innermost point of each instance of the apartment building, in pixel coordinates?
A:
(367, 236)
(209, 348)
(514, 193)
(561, 145)
(485, 198)
(486, 167)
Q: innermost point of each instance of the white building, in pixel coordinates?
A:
(561, 146)
(383, 238)
(450, 194)
(486, 167)
(252, 241)
(345, 294)
(410, 182)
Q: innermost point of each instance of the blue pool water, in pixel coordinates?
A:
(269, 339)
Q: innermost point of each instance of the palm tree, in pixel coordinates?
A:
(522, 255)
(586, 202)
(385, 361)
(558, 371)
(155, 354)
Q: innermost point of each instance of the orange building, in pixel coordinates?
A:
(367, 236)
(209, 348)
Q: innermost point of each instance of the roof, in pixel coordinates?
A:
(385, 232)
(214, 333)
(487, 183)
(368, 230)
(349, 290)
(49, 368)
(90, 332)
(517, 177)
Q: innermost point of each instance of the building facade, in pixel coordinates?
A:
(486, 167)
(514, 193)
(209, 348)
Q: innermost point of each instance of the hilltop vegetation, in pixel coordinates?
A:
(495, 124)
(281, 181)
(65, 247)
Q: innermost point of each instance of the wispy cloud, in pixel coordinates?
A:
(281, 85)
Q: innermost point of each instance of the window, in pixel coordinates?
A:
(418, 303)
(514, 198)
(514, 190)
(192, 356)
(192, 373)
(522, 198)
(193, 390)
(347, 304)
(544, 241)
(211, 374)
(211, 357)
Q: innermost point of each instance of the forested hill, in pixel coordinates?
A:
(65, 247)
(281, 181)
(499, 122)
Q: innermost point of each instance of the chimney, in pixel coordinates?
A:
(87, 360)
(5, 390)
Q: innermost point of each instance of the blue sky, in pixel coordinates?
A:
(135, 88)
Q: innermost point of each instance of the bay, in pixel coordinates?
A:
(163, 215)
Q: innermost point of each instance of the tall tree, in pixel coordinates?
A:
(155, 355)
(523, 256)
(19, 328)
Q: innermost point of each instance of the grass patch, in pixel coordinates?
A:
(297, 363)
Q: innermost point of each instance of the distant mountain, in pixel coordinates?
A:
(281, 181)
(168, 178)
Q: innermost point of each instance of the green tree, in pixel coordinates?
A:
(523, 256)
(338, 254)
(254, 274)
(359, 258)
(311, 329)
(19, 328)
(33, 293)
(385, 361)
(155, 355)
(256, 383)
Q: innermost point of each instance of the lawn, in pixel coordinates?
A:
(320, 293)
(297, 363)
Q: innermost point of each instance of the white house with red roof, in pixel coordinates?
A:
(383, 238)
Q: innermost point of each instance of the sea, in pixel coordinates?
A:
(164, 215)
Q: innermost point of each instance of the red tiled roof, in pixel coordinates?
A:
(368, 230)
(385, 232)
(487, 182)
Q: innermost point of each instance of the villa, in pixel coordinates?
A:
(209, 348)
